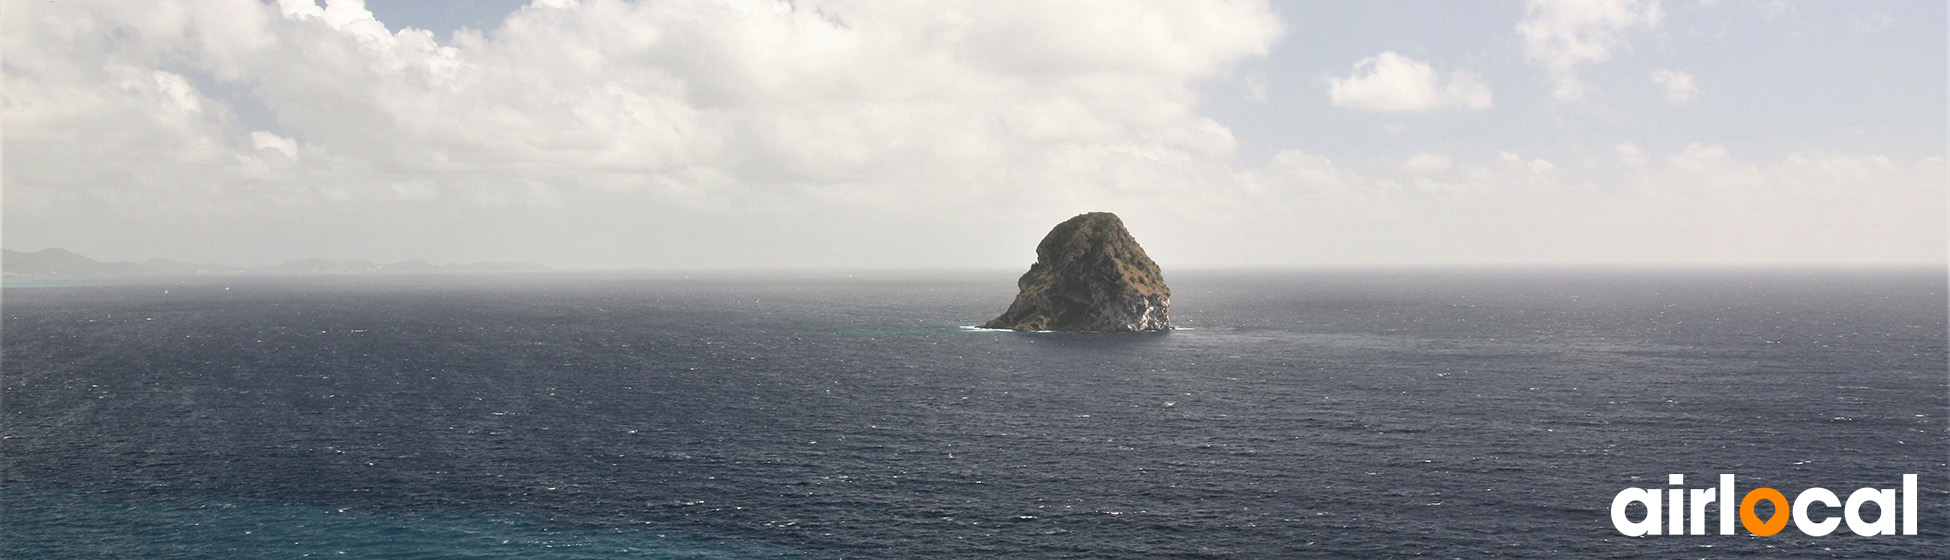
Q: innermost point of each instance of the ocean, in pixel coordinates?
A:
(1373, 413)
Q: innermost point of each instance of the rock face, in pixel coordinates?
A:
(1090, 275)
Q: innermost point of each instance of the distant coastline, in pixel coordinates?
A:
(61, 263)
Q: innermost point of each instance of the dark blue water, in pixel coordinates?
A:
(1303, 414)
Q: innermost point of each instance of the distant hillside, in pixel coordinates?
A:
(60, 262)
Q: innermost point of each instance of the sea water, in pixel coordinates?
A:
(1331, 414)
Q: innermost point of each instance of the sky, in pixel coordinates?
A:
(757, 134)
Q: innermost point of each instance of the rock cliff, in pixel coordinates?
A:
(1090, 275)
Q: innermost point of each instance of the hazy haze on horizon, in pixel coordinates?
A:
(699, 134)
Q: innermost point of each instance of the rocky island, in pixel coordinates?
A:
(1090, 275)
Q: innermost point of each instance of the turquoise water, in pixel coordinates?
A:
(56, 524)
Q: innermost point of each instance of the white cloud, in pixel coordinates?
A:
(1536, 165)
(416, 190)
(1701, 204)
(706, 105)
(1392, 82)
(179, 92)
(1562, 35)
(1871, 22)
(837, 133)
(762, 91)
(1255, 87)
(1777, 8)
(1421, 164)
(1806, 207)
(1699, 157)
(265, 140)
(1678, 86)
(1630, 154)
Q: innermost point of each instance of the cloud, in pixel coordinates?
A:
(1255, 87)
(183, 98)
(1392, 82)
(168, 113)
(744, 133)
(1678, 86)
(1421, 164)
(763, 91)
(1778, 8)
(265, 140)
(1873, 21)
(1699, 204)
(1806, 207)
(1630, 154)
(1562, 35)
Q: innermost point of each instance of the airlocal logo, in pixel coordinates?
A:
(1682, 520)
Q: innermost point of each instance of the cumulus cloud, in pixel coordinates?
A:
(231, 108)
(692, 133)
(1392, 82)
(1562, 35)
(1678, 86)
